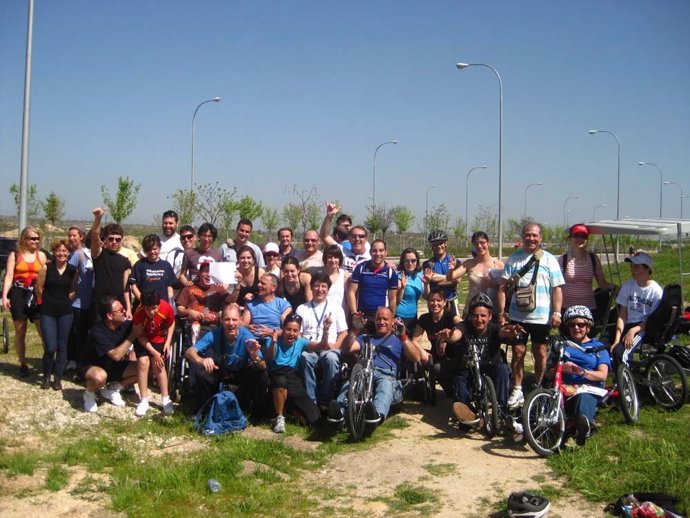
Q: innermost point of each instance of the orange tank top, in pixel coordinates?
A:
(25, 273)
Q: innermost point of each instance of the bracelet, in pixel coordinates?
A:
(558, 314)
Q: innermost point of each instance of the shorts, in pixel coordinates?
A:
(141, 351)
(538, 332)
(114, 370)
(18, 308)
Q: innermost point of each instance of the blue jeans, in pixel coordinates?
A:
(387, 391)
(330, 365)
(463, 384)
(55, 331)
(583, 404)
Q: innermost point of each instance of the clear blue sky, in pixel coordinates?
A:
(310, 88)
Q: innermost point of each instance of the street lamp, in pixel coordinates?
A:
(594, 212)
(214, 100)
(618, 188)
(565, 203)
(661, 182)
(467, 197)
(426, 208)
(682, 196)
(524, 214)
(373, 193)
(462, 66)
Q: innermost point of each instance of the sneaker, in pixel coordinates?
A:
(168, 407)
(279, 426)
(583, 430)
(24, 370)
(464, 414)
(90, 402)
(45, 384)
(142, 408)
(335, 413)
(371, 415)
(516, 398)
(56, 385)
(113, 396)
(527, 505)
(71, 365)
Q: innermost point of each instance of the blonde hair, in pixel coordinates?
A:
(57, 243)
(24, 234)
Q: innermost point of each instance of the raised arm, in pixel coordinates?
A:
(96, 245)
(327, 224)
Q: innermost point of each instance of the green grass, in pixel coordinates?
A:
(410, 499)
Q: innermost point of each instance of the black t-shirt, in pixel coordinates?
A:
(489, 343)
(432, 328)
(101, 340)
(109, 269)
(153, 276)
(56, 300)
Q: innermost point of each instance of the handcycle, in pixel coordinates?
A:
(484, 401)
(361, 389)
(543, 414)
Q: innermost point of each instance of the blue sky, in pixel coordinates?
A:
(309, 89)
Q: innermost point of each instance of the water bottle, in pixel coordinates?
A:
(213, 485)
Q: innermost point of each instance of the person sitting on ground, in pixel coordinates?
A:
(294, 285)
(229, 355)
(322, 320)
(637, 299)
(479, 328)
(193, 257)
(152, 347)
(283, 352)
(106, 355)
(152, 272)
(588, 364)
(266, 311)
(389, 350)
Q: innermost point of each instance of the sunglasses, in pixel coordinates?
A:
(33, 238)
(358, 236)
(186, 236)
(410, 261)
(112, 239)
(310, 240)
(572, 325)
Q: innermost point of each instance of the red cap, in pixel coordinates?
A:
(579, 229)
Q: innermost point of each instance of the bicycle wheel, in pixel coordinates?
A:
(627, 394)
(172, 366)
(667, 382)
(489, 407)
(356, 399)
(543, 421)
(5, 336)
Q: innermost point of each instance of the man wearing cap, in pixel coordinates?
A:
(637, 299)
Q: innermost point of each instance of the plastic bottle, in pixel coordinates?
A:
(213, 485)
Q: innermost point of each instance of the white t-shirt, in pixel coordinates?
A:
(312, 320)
(639, 300)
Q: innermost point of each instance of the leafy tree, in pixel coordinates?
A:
(304, 210)
(213, 202)
(459, 230)
(54, 208)
(379, 220)
(125, 199)
(438, 219)
(402, 217)
(271, 220)
(184, 203)
(249, 208)
(33, 204)
(486, 220)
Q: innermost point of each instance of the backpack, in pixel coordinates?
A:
(220, 415)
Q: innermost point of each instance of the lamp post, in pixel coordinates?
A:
(467, 198)
(661, 185)
(524, 214)
(426, 208)
(682, 195)
(462, 66)
(373, 192)
(214, 100)
(565, 213)
(594, 212)
(618, 187)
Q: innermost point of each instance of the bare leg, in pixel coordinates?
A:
(279, 398)
(517, 364)
(162, 377)
(20, 340)
(539, 352)
(143, 376)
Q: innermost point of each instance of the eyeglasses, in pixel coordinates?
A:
(358, 236)
(119, 310)
(577, 324)
(33, 238)
(410, 261)
(186, 236)
(310, 240)
(113, 239)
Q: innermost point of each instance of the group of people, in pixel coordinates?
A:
(280, 328)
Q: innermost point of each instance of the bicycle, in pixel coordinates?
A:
(543, 414)
(484, 401)
(361, 389)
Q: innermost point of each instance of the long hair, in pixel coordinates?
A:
(22, 238)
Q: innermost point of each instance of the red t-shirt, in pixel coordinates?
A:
(156, 328)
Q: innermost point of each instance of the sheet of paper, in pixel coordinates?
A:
(223, 273)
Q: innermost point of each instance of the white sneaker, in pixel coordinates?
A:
(142, 408)
(168, 407)
(279, 426)
(90, 404)
(71, 365)
(113, 396)
(516, 398)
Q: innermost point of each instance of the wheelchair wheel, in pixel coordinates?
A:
(488, 407)
(627, 394)
(5, 336)
(173, 364)
(543, 422)
(357, 397)
(429, 386)
(667, 382)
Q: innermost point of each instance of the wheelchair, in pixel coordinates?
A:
(179, 380)
(418, 382)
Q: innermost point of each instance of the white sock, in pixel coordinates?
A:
(165, 399)
(89, 393)
(518, 387)
(144, 399)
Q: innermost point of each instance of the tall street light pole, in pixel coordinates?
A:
(214, 100)
(594, 212)
(524, 214)
(661, 185)
(618, 188)
(24, 161)
(373, 192)
(461, 66)
(426, 208)
(682, 196)
(467, 198)
(565, 212)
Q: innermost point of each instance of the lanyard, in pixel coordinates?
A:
(323, 313)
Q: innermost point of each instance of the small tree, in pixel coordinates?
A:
(459, 231)
(125, 199)
(33, 204)
(487, 221)
(54, 208)
(438, 219)
(380, 220)
(249, 208)
(184, 203)
(304, 211)
(271, 220)
(213, 202)
(403, 219)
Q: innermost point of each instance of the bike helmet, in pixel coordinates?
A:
(578, 312)
(527, 505)
(681, 355)
(437, 236)
(480, 299)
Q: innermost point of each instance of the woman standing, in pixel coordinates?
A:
(333, 261)
(247, 274)
(411, 288)
(56, 289)
(18, 289)
(294, 285)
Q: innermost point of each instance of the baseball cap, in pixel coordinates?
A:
(640, 258)
(579, 229)
(271, 248)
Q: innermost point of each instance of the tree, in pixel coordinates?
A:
(292, 214)
(33, 204)
(249, 208)
(438, 219)
(487, 221)
(271, 220)
(184, 203)
(379, 220)
(459, 230)
(54, 208)
(304, 211)
(213, 202)
(125, 199)
(403, 218)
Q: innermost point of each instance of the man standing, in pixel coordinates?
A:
(242, 234)
(441, 264)
(358, 252)
(544, 278)
(170, 239)
(285, 248)
(311, 258)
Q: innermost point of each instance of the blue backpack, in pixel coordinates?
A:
(220, 415)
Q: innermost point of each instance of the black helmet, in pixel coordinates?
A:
(527, 505)
(681, 355)
(480, 299)
(437, 236)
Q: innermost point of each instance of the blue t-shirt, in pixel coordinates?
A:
(288, 355)
(153, 276)
(215, 344)
(267, 313)
(413, 290)
(443, 266)
(389, 352)
(588, 360)
(82, 260)
(373, 285)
